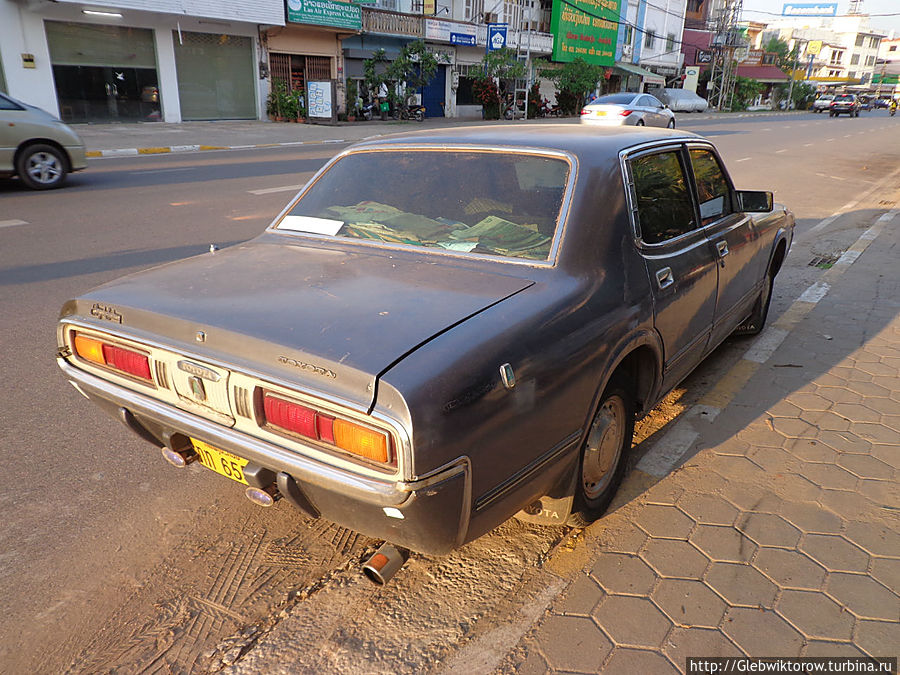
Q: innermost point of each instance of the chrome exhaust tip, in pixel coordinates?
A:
(384, 563)
(263, 496)
(178, 459)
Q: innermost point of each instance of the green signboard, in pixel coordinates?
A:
(585, 29)
(325, 13)
(885, 79)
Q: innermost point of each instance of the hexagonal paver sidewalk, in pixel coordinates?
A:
(781, 535)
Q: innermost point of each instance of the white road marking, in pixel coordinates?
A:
(744, 159)
(778, 152)
(848, 258)
(890, 215)
(268, 191)
(12, 223)
(829, 140)
(159, 170)
(807, 145)
(766, 344)
(815, 292)
(769, 129)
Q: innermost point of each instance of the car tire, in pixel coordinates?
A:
(754, 323)
(639, 123)
(41, 167)
(671, 124)
(601, 464)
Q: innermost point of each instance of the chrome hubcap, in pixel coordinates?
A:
(44, 167)
(604, 448)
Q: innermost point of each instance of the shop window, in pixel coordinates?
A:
(464, 95)
(649, 39)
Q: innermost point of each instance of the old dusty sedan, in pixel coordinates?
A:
(443, 329)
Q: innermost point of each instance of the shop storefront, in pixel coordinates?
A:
(103, 73)
(215, 76)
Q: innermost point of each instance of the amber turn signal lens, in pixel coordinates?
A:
(89, 349)
(361, 441)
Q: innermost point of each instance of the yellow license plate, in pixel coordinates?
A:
(600, 113)
(221, 461)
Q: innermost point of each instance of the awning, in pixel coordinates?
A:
(766, 74)
(648, 77)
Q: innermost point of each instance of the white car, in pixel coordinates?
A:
(682, 100)
(628, 108)
(823, 103)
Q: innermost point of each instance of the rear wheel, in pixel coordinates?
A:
(754, 324)
(671, 124)
(41, 167)
(602, 462)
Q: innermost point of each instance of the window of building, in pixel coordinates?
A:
(875, 42)
(892, 48)
(852, 74)
(837, 57)
(854, 60)
(859, 40)
(664, 205)
(649, 39)
(629, 36)
(870, 60)
(670, 42)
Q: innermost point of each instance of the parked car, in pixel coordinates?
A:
(421, 357)
(628, 109)
(682, 100)
(823, 103)
(36, 146)
(881, 103)
(844, 104)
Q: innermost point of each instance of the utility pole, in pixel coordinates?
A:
(725, 42)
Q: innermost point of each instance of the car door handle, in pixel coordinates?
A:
(664, 277)
(722, 249)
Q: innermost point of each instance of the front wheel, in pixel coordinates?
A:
(420, 116)
(640, 123)
(41, 167)
(602, 462)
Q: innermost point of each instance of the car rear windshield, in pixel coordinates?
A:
(615, 98)
(843, 97)
(466, 201)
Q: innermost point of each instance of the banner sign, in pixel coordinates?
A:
(450, 31)
(585, 29)
(496, 36)
(704, 56)
(325, 13)
(318, 95)
(810, 9)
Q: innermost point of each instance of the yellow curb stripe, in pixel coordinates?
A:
(93, 153)
(213, 147)
(153, 151)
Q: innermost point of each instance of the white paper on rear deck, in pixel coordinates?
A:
(311, 225)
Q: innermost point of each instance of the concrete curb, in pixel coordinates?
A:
(170, 149)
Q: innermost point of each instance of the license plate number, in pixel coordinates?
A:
(221, 461)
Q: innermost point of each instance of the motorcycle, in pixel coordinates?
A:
(410, 112)
(368, 110)
(893, 109)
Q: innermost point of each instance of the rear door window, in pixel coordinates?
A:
(664, 206)
(713, 188)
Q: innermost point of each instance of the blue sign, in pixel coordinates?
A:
(462, 39)
(496, 36)
(810, 9)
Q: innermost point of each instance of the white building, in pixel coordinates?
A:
(652, 38)
(131, 60)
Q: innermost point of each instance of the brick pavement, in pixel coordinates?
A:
(780, 536)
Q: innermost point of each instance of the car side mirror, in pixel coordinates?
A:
(756, 201)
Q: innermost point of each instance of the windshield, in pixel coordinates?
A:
(492, 203)
(615, 98)
(844, 97)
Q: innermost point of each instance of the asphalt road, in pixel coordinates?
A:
(111, 559)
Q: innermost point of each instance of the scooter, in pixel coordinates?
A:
(893, 109)
(369, 110)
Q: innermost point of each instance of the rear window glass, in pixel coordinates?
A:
(843, 97)
(614, 98)
(489, 203)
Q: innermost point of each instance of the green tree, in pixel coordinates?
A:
(415, 66)
(573, 83)
(745, 90)
(784, 58)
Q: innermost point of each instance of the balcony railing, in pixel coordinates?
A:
(382, 22)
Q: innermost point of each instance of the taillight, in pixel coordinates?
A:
(626, 113)
(334, 431)
(585, 111)
(124, 360)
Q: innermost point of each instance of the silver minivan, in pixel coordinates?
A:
(36, 146)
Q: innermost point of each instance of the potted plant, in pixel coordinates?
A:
(277, 100)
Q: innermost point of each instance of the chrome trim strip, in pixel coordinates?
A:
(562, 221)
(499, 491)
(362, 488)
(399, 432)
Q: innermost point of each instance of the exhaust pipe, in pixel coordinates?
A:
(178, 458)
(384, 563)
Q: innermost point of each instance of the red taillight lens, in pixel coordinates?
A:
(291, 416)
(309, 423)
(127, 361)
(626, 113)
(585, 111)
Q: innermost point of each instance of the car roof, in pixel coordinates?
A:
(582, 141)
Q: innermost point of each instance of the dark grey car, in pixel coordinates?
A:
(444, 329)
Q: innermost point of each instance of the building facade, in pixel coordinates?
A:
(137, 60)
